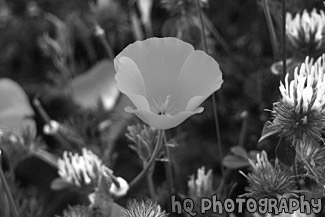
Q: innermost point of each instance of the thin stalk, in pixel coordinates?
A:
(151, 183)
(169, 167)
(46, 118)
(217, 35)
(136, 26)
(215, 109)
(150, 162)
(243, 129)
(100, 33)
(270, 26)
(5, 185)
(284, 49)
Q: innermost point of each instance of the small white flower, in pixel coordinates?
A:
(121, 190)
(78, 169)
(300, 114)
(202, 185)
(306, 30)
(306, 92)
(51, 128)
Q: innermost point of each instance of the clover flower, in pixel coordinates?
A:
(166, 79)
(268, 181)
(144, 209)
(299, 115)
(201, 186)
(311, 157)
(87, 170)
(80, 170)
(77, 211)
(305, 32)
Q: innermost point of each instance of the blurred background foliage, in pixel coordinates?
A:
(45, 44)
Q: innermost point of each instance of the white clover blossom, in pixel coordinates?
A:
(306, 29)
(267, 180)
(307, 90)
(201, 185)
(78, 169)
(144, 209)
(300, 114)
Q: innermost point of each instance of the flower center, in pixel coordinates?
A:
(161, 107)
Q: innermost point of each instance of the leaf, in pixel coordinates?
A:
(268, 130)
(15, 109)
(96, 84)
(59, 184)
(116, 210)
(239, 151)
(235, 162)
(285, 152)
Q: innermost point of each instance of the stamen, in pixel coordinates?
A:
(161, 107)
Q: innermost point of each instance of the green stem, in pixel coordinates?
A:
(243, 129)
(214, 31)
(150, 182)
(150, 162)
(270, 26)
(136, 27)
(46, 118)
(100, 33)
(284, 50)
(169, 167)
(5, 185)
(215, 109)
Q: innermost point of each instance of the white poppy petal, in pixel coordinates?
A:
(200, 76)
(128, 77)
(163, 121)
(195, 102)
(160, 61)
(139, 101)
(130, 82)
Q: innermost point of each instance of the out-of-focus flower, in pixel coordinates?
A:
(145, 9)
(87, 170)
(305, 32)
(77, 211)
(299, 115)
(201, 186)
(268, 181)
(185, 27)
(144, 140)
(166, 79)
(311, 157)
(182, 6)
(15, 109)
(144, 209)
(80, 170)
(49, 46)
(51, 128)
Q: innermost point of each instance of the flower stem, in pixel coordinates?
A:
(151, 160)
(46, 118)
(150, 182)
(5, 185)
(284, 50)
(243, 129)
(169, 167)
(100, 33)
(215, 109)
(270, 26)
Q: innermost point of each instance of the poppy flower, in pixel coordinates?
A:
(166, 79)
